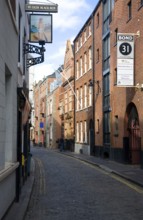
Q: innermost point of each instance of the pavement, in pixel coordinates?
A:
(131, 173)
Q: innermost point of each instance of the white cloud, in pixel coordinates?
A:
(40, 71)
(69, 13)
(66, 24)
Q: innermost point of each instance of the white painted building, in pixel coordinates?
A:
(12, 75)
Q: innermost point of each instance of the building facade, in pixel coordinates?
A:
(84, 115)
(66, 98)
(126, 128)
(40, 91)
(14, 107)
(53, 131)
(114, 113)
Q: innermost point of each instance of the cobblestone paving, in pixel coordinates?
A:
(68, 189)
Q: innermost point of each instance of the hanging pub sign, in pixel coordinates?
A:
(40, 28)
(53, 8)
(125, 60)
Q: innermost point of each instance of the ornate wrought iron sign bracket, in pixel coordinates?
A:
(29, 48)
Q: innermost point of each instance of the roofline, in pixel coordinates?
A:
(91, 15)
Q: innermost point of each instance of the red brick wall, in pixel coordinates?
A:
(121, 97)
(98, 77)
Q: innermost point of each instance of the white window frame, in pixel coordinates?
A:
(85, 131)
(85, 62)
(77, 69)
(81, 97)
(66, 102)
(81, 132)
(85, 95)
(77, 132)
(90, 96)
(89, 27)
(90, 58)
(81, 67)
(77, 100)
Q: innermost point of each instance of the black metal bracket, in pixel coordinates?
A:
(29, 48)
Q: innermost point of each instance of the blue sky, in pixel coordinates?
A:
(67, 23)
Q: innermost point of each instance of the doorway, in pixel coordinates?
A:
(133, 130)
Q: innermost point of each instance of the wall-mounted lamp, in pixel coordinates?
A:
(91, 84)
(139, 86)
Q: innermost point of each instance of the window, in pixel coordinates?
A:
(78, 43)
(70, 100)
(85, 36)
(116, 128)
(85, 62)
(115, 76)
(106, 52)
(85, 132)
(90, 95)
(89, 59)
(89, 29)
(106, 15)
(66, 102)
(81, 132)
(50, 106)
(51, 132)
(97, 55)
(129, 10)
(106, 92)
(106, 124)
(80, 40)
(81, 67)
(97, 20)
(85, 96)
(81, 97)
(77, 132)
(77, 69)
(77, 46)
(116, 34)
(97, 126)
(77, 100)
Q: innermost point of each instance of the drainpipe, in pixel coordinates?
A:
(74, 125)
(93, 78)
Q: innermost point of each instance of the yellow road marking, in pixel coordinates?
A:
(128, 183)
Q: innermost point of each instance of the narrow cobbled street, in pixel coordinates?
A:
(68, 189)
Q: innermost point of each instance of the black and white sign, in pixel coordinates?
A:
(125, 49)
(125, 60)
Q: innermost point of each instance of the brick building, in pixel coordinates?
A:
(53, 128)
(84, 78)
(41, 89)
(126, 103)
(66, 98)
(109, 123)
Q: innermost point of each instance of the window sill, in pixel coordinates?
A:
(9, 168)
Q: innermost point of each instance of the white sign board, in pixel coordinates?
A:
(125, 60)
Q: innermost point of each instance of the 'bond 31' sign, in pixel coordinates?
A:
(125, 60)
